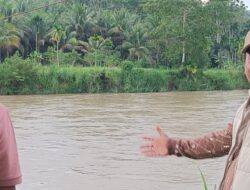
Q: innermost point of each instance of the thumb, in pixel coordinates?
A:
(158, 129)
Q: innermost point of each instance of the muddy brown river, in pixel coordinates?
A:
(91, 141)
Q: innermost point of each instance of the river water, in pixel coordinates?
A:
(91, 141)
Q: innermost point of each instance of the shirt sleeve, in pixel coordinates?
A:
(211, 145)
(10, 173)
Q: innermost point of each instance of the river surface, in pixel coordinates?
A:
(91, 141)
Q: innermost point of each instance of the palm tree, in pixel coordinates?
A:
(135, 43)
(9, 37)
(56, 35)
(80, 19)
(22, 5)
(156, 41)
(7, 8)
(117, 24)
(37, 27)
(96, 44)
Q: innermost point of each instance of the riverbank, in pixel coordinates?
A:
(30, 78)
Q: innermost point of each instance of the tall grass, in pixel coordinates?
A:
(219, 79)
(18, 76)
(205, 186)
(55, 79)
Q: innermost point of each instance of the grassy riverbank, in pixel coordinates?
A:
(26, 77)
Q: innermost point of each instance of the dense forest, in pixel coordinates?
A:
(104, 32)
(162, 34)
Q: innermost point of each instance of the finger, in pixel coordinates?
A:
(158, 129)
(148, 146)
(149, 153)
(148, 138)
(230, 124)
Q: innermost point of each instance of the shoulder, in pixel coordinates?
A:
(3, 111)
(242, 106)
(3, 108)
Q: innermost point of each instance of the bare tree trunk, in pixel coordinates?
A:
(57, 47)
(95, 59)
(183, 42)
(235, 59)
(37, 59)
(183, 53)
(218, 36)
(157, 54)
(7, 52)
(36, 43)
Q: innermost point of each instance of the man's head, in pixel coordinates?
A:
(246, 53)
(247, 43)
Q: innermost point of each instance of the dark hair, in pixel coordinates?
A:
(246, 52)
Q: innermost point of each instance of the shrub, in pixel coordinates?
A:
(18, 76)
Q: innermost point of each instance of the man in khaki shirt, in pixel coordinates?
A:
(211, 145)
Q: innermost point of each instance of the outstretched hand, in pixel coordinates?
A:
(156, 146)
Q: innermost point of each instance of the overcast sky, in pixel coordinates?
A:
(247, 3)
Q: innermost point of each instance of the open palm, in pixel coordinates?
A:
(156, 146)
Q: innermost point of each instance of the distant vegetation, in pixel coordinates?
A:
(19, 76)
(121, 45)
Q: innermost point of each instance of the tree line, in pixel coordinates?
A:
(148, 33)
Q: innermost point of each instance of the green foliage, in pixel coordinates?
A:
(112, 59)
(49, 57)
(156, 33)
(18, 76)
(203, 179)
(101, 58)
(127, 66)
(144, 80)
(225, 79)
(231, 65)
(127, 75)
(36, 57)
(9, 38)
(99, 52)
(72, 58)
(77, 80)
(188, 71)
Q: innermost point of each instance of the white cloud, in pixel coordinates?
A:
(247, 3)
